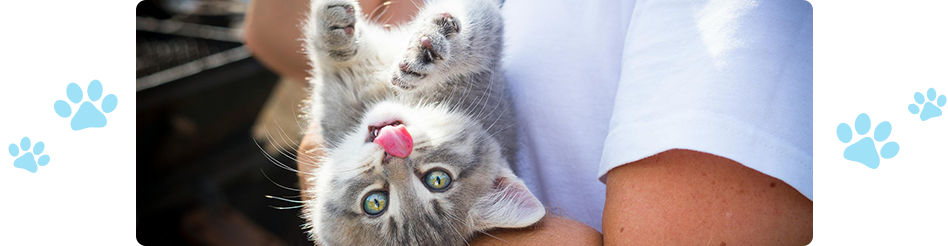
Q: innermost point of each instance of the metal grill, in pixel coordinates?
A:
(156, 52)
(170, 50)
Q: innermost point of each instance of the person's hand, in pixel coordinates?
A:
(308, 156)
(551, 230)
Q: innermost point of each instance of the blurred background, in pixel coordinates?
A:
(211, 124)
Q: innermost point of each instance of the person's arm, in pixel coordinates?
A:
(272, 30)
(551, 230)
(682, 197)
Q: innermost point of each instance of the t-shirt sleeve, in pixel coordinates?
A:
(729, 78)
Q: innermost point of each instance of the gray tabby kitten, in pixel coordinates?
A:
(417, 126)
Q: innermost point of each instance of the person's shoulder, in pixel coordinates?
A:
(685, 197)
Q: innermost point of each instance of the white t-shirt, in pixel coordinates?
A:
(598, 84)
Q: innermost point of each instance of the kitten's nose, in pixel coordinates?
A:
(395, 140)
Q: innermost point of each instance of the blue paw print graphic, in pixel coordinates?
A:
(864, 151)
(929, 110)
(28, 161)
(88, 115)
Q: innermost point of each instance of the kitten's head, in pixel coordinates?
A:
(454, 183)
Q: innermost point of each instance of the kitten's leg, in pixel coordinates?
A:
(343, 49)
(450, 39)
(334, 30)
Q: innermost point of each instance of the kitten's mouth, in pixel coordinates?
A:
(393, 137)
(374, 129)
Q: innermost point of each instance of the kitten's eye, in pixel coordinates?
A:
(375, 203)
(437, 180)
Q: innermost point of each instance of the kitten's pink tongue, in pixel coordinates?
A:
(395, 140)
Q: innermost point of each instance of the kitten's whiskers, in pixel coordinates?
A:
(275, 183)
(283, 199)
(277, 162)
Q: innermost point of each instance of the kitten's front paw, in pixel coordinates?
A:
(428, 51)
(338, 29)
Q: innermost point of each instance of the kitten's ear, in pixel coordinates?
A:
(509, 204)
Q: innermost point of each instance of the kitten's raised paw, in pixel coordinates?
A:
(339, 30)
(431, 45)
